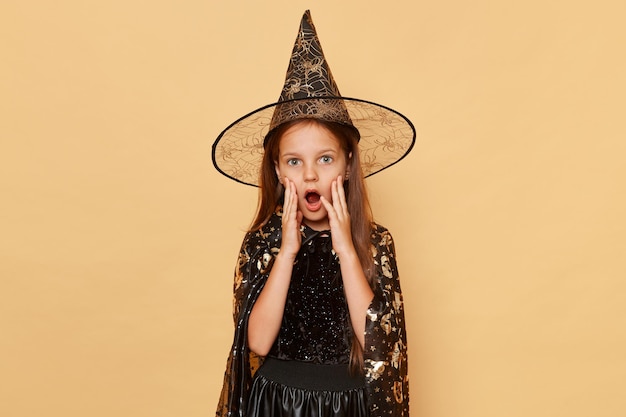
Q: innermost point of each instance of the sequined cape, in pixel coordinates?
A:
(385, 354)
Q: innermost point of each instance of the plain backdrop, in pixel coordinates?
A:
(118, 239)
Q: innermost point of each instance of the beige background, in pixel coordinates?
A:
(118, 239)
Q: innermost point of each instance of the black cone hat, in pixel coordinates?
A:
(310, 91)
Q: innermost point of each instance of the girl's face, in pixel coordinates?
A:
(312, 158)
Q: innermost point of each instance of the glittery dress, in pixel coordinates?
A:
(306, 372)
(385, 350)
(315, 326)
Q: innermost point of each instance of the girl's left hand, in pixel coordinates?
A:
(339, 218)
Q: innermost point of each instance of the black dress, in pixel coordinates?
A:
(306, 372)
(385, 362)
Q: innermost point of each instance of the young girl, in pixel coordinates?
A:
(318, 307)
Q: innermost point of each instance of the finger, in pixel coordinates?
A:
(294, 196)
(337, 205)
(286, 198)
(342, 195)
(290, 205)
(293, 200)
(335, 196)
(329, 208)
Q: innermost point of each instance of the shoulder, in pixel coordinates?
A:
(379, 228)
(380, 235)
(383, 251)
(269, 234)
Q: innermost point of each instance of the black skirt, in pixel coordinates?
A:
(299, 389)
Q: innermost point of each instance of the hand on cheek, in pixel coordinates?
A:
(292, 218)
(339, 218)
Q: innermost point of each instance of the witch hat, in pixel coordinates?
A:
(310, 91)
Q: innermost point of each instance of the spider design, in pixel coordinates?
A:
(294, 86)
(369, 164)
(315, 66)
(385, 118)
(390, 144)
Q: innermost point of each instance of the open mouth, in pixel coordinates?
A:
(313, 201)
(312, 197)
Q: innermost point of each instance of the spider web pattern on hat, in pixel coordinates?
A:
(310, 91)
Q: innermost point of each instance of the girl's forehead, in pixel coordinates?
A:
(308, 137)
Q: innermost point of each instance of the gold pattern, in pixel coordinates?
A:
(310, 91)
(385, 359)
(386, 137)
(374, 369)
(397, 391)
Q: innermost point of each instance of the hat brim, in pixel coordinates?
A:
(387, 136)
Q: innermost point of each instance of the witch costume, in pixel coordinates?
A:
(306, 371)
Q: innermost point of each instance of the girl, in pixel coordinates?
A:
(318, 307)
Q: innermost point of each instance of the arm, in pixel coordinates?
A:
(253, 267)
(385, 353)
(267, 313)
(358, 292)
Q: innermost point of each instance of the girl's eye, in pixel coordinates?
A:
(326, 159)
(293, 162)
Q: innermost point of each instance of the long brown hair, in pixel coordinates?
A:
(271, 194)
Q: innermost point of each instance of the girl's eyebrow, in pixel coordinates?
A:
(297, 154)
(289, 155)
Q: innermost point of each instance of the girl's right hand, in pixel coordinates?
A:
(292, 218)
(267, 313)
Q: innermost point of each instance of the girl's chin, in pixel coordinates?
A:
(316, 222)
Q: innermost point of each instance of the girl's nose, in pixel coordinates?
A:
(310, 174)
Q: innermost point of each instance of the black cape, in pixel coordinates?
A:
(385, 351)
